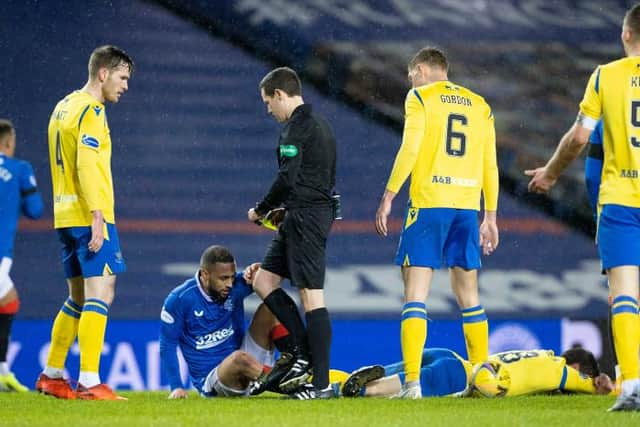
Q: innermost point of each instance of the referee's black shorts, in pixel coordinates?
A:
(298, 250)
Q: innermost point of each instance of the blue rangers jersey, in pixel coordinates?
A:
(206, 331)
(18, 193)
(593, 167)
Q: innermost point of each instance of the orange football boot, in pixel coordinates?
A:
(97, 392)
(56, 387)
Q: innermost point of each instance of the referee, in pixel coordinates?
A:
(302, 190)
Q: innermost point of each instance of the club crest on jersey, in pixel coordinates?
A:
(97, 110)
(228, 304)
(90, 141)
(5, 175)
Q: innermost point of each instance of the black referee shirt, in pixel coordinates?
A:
(307, 163)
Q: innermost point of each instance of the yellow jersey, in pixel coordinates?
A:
(613, 94)
(80, 160)
(448, 148)
(540, 371)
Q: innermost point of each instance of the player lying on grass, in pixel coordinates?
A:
(205, 318)
(445, 373)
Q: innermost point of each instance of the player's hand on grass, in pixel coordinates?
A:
(603, 384)
(178, 393)
(97, 232)
(541, 182)
(249, 273)
(489, 235)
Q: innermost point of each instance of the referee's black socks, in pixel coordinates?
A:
(319, 336)
(286, 311)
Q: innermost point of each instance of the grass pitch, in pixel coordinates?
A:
(153, 409)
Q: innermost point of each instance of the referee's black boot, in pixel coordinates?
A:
(309, 392)
(269, 381)
(297, 375)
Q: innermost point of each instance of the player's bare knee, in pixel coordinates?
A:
(236, 358)
(265, 282)
(244, 362)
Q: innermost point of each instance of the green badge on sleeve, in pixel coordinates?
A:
(288, 151)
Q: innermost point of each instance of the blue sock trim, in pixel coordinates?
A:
(70, 312)
(96, 305)
(414, 314)
(475, 319)
(471, 309)
(624, 309)
(73, 304)
(414, 304)
(624, 298)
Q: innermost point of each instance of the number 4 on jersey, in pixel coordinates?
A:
(59, 153)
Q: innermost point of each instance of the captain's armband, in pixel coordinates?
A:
(586, 121)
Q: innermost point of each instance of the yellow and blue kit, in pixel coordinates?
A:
(442, 373)
(540, 371)
(613, 96)
(448, 148)
(80, 160)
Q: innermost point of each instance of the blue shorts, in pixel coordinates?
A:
(433, 237)
(79, 261)
(442, 372)
(619, 236)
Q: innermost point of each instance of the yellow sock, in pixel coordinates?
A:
(63, 333)
(625, 325)
(93, 323)
(413, 335)
(476, 333)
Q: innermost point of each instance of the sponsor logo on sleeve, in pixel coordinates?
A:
(90, 141)
(166, 317)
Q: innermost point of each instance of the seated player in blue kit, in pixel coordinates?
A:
(205, 318)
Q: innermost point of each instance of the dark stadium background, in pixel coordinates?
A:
(194, 149)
